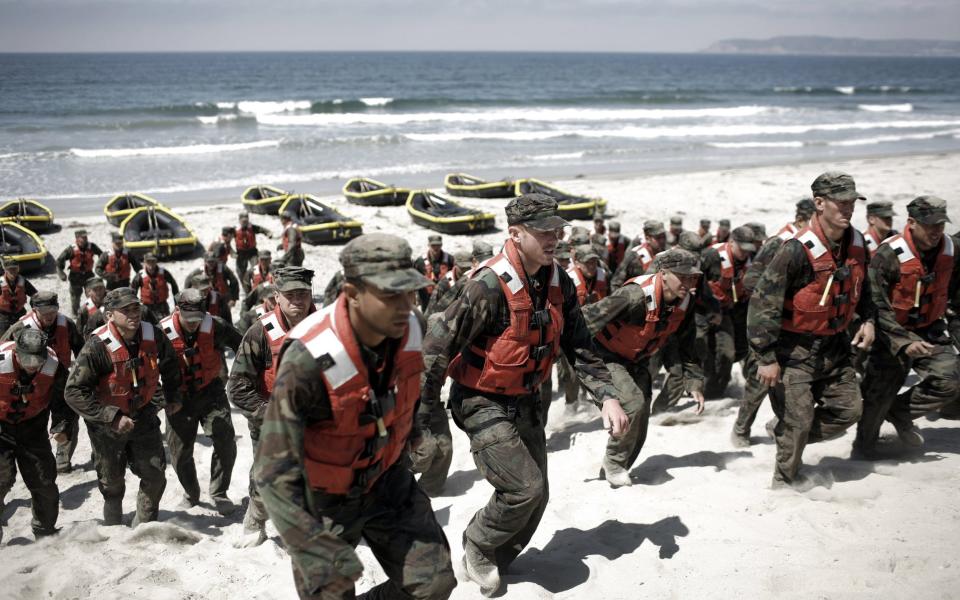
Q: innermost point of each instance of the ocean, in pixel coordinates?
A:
(76, 129)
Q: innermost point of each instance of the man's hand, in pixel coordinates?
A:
(769, 375)
(60, 438)
(865, 336)
(122, 424)
(614, 419)
(173, 408)
(698, 397)
(917, 349)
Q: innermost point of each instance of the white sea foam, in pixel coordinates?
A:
(256, 107)
(226, 105)
(848, 90)
(557, 156)
(886, 107)
(217, 119)
(884, 139)
(519, 114)
(171, 150)
(376, 101)
(735, 145)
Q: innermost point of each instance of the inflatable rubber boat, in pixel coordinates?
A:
(446, 216)
(16, 241)
(29, 213)
(461, 184)
(319, 223)
(122, 206)
(159, 230)
(263, 199)
(370, 192)
(570, 206)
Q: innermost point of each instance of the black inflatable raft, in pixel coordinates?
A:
(446, 216)
(570, 206)
(370, 192)
(461, 184)
(263, 199)
(159, 230)
(319, 223)
(29, 213)
(122, 206)
(22, 244)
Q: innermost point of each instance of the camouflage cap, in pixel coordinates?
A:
(928, 210)
(288, 278)
(537, 211)
(463, 259)
(745, 238)
(44, 298)
(690, 241)
(10, 262)
(150, 257)
(382, 260)
(31, 348)
(119, 298)
(435, 240)
(724, 223)
(880, 208)
(563, 251)
(679, 261)
(116, 236)
(264, 254)
(836, 185)
(614, 226)
(759, 230)
(80, 232)
(94, 282)
(190, 305)
(676, 220)
(806, 208)
(202, 282)
(585, 252)
(705, 223)
(653, 228)
(482, 250)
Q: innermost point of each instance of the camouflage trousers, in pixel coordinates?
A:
(244, 259)
(811, 407)
(396, 521)
(209, 409)
(66, 450)
(509, 448)
(886, 373)
(142, 449)
(673, 385)
(256, 512)
(632, 381)
(753, 394)
(726, 344)
(432, 460)
(26, 446)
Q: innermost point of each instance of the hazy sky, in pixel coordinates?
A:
(597, 25)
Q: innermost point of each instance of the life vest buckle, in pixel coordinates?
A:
(540, 318)
(842, 273)
(541, 352)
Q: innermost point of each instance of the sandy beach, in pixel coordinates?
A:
(700, 521)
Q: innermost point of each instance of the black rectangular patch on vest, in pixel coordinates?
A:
(809, 244)
(325, 362)
(898, 250)
(506, 278)
(268, 326)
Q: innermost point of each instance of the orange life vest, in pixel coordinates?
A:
(82, 259)
(428, 269)
(632, 341)
(872, 240)
(598, 287)
(787, 232)
(200, 363)
(119, 263)
(245, 238)
(219, 281)
(518, 360)
(21, 402)
(153, 288)
(285, 242)
(810, 311)
(213, 303)
(920, 298)
(259, 277)
(367, 435)
(129, 383)
(644, 254)
(90, 308)
(730, 284)
(60, 340)
(12, 299)
(274, 327)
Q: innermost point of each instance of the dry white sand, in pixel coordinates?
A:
(700, 522)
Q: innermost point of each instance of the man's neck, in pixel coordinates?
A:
(832, 233)
(530, 268)
(364, 334)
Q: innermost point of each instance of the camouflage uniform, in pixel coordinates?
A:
(246, 276)
(8, 318)
(674, 232)
(437, 263)
(24, 444)
(206, 406)
(249, 255)
(888, 364)
(233, 286)
(706, 238)
(723, 231)
(142, 447)
(333, 288)
(632, 265)
(818, 397)
(320, 530)
(76, 278)
(507, 433)
(439, 299)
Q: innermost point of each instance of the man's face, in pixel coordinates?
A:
(97, 294)
(210, 266)
(29, 369)
(244, 221)
(589, 268)
(599, 227)
(294, 304)
(676, 229)
(538, 247)
(564, 263)
(723, 231)
(739, 254)
(436, 250)
(657, 242)
(12, 272)
(151, 267)
(46, 315)
(270, 302)
(883, 225)
(265, 264)
(126, 319)
(118, 245)
(835, 213)
(81, 240)
(385, 313)
(925, 237)
(678, 285)
(189, 326)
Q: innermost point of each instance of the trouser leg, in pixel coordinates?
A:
(753, 394)
(883, 376)
(939, 384)
(65, 450)
(181, 437)
(218, 426)
(38, 467)
(792, 402)
(148, 462)
(110, 462)
(256, 513)
(633, 388)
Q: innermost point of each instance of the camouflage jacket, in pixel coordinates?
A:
(93, 364)
(884, 274)
(631, 267)
(480, 309)
(760, 261)
(232, 284)
(443, 295)
(789, 271)
(711, 267)
(75, 339)
(629, 305)
(253, 358)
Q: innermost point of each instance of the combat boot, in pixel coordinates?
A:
(739, 440)
(254, 532)
(480, 569)
(911, 437)
(225, 507)
(615, 475)
(112, 511)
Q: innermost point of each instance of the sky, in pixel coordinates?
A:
(467, 25)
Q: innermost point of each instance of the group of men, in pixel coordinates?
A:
(344, 402)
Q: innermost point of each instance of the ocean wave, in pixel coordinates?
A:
(737, 145)
(884, 139)
(541, 115)
(171, 150)
(557, 156)
(257, 107)
(847, 90)
(886, 107)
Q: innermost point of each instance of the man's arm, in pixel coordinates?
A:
(61, 417)
(689, 359)
(63, 259)
(74, 336)
(765, 313)
(226, 335)
(620, 275)
(171, 282)
(261, 230)
(95, 249)
(251, 360)
(29, 288)
(135, 283)
(169, 370)
(81, 389)
(101, 266)
(232, 284)
(760, 262)
(626, 304)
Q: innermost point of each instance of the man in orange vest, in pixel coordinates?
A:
(331, 462)
(805, 210)
(14, 291)
(155, 285)
(222, 278)
(116, 265)
(434, 264)
(199, 341)
(880, 224)
(498, 342)
(617, 246)
(267, 291)
(115, 388)
(215, 303)
(915, 280)
(254, 371)
(245, 238)
(797, 324)
(723, 231)
(78, 258)
(639, 258)
(291, 241)
(31, 391)
(632, 325)
(257, 274)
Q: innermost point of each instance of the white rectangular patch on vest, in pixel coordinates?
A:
(112, 343)
(342, 370)
(503, 267)
(947, 245)
(812, 243)
(901, 248)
